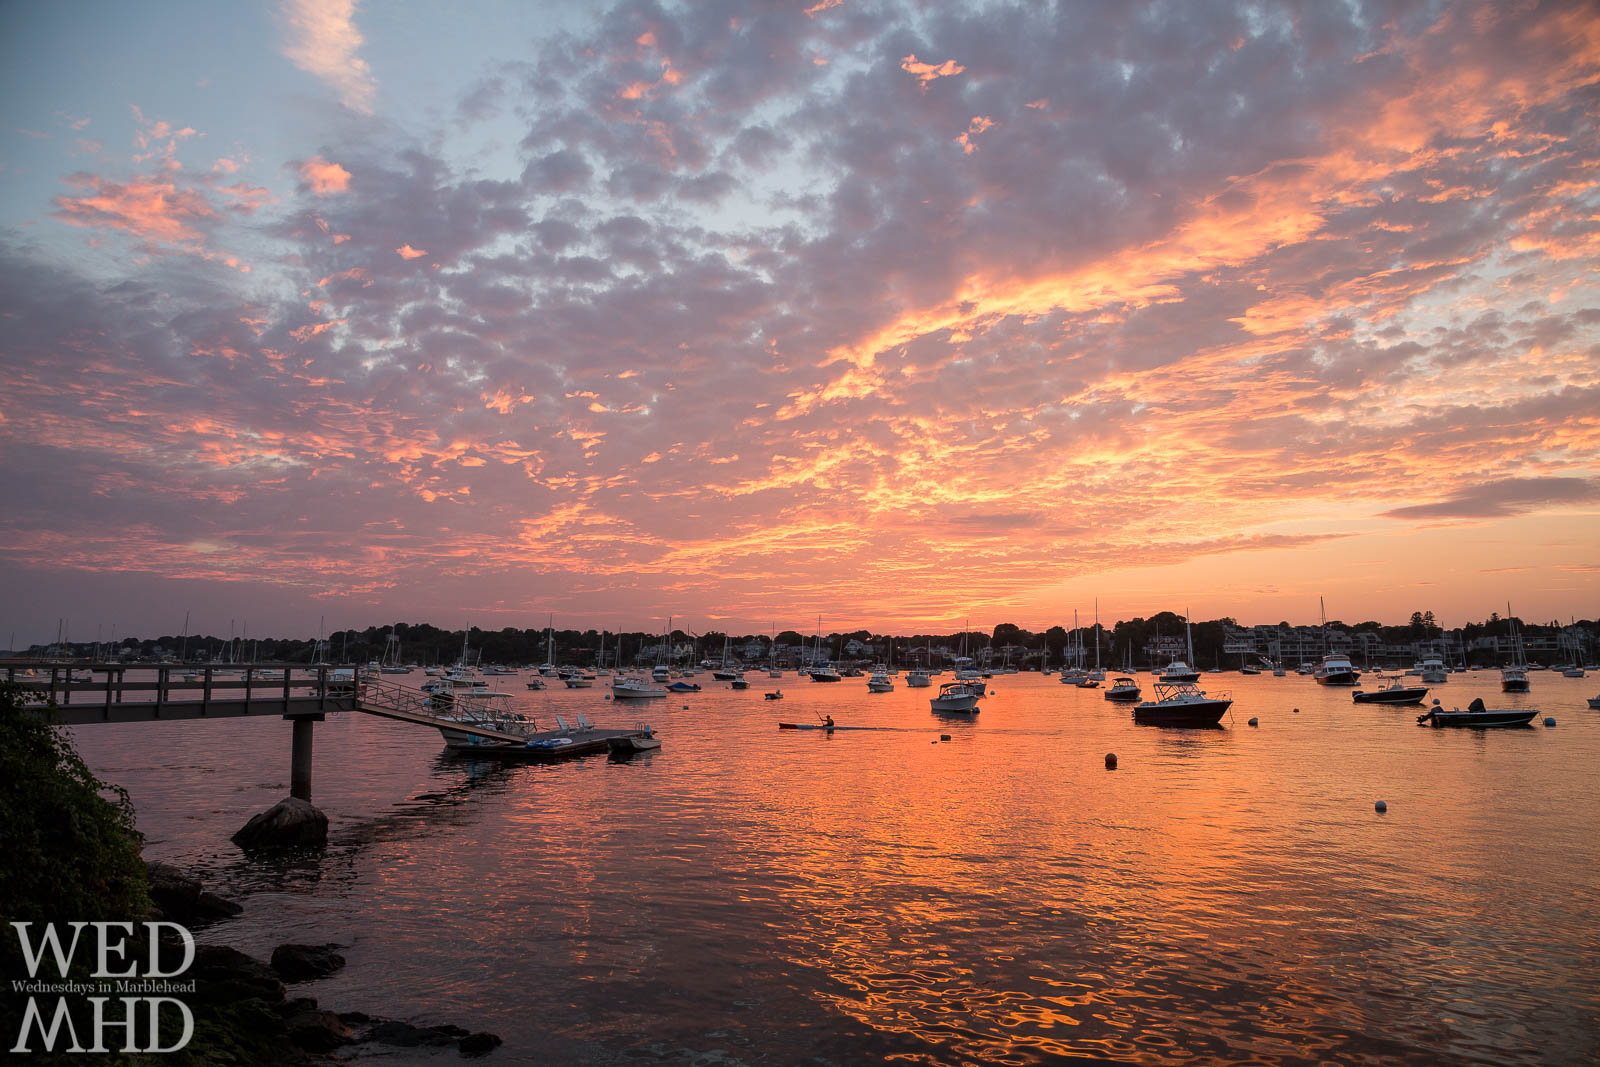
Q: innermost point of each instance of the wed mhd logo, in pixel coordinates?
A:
(135, 1016)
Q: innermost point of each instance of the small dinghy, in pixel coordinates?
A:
(775, 696)
(684, 687)
(1476, 715)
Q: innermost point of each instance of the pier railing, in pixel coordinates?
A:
(104, 692)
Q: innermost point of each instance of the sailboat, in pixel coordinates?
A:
(728, 672)
(548, 667)
(1179, 670)
(772, 655)
(391, 657)
(826, 672)
(1097, 675)
(1514, 678)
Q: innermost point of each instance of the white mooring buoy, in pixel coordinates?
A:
(1380, 807)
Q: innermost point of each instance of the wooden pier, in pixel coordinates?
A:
(85, 694)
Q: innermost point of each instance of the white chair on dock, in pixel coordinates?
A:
(562, 724)
(583, 722)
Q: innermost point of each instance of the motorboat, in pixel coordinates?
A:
(635, 689)
(1477, 716)
(535, 682)
(776, 694)
(1594, 702)
(661, 674)
(1396, 692)
(1181, 704)
(580, 680)
(957, 698)
(918, 679)
(493, 711)
(739, 683)
(826, 673)
(1123, 691)
(642, 739)
(1335, 669)
(880, 683)
(1178, 672)
(684, 687)
(1432, 671)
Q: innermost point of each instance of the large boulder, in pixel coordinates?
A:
(290, 823)
(301, 963)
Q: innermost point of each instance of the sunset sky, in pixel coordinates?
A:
(900, 313)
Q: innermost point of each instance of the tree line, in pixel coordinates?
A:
(422, 643)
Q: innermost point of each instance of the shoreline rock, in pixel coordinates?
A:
(304, 963)
(244, 1015)
(182, 898)
(290, 823)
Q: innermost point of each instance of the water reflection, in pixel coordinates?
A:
(1226, 894)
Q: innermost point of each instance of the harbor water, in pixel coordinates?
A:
(761, 896)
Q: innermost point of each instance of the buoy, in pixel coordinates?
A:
(1435, 701)
(608, 696)
(686, 707)
(1549, 720)
(944, 737)
(1254, 723)
(1380, 807)
(1111, 761)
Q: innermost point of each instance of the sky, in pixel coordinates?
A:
(326, 314)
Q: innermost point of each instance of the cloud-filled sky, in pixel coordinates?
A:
(895, 313)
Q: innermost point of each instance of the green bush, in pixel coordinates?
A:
(69, 850)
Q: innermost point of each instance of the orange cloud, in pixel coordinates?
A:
(152, 208)
(927, 72)
(324, 177)
(978, 125)
(405, 251)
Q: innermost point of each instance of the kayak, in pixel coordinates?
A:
(820, 726)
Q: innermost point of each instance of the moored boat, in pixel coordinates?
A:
(1181, 704)
(1396, 692)
(957, 698)
(635, 689)
(1478, 716)
(642, 739)
(1123, 691)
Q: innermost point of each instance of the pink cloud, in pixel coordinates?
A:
(407, 252)
(324, 177)
(322, 40)
(152, 208)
